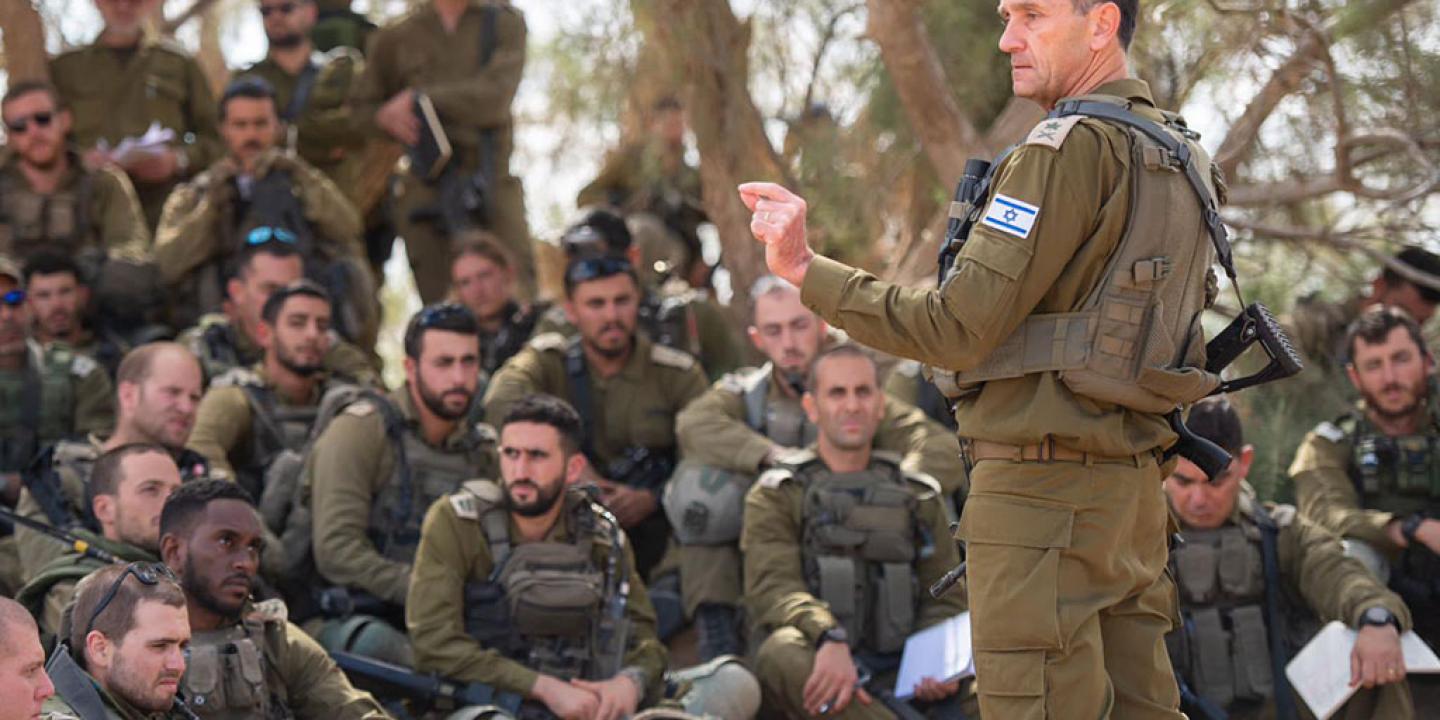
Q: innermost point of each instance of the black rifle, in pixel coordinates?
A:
(74, 542)
(427, 689)
(614, 628)
(642, 468)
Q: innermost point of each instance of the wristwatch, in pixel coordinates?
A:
(1411, 525)
(834, 634)
(1379, 617)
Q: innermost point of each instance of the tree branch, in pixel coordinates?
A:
(24, 47)
(196, 9)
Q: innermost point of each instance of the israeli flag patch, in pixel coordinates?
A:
(1010, 216)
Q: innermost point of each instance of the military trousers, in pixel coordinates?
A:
(430, 251)
(1069, 598)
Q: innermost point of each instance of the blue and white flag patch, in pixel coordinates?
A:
(1010, 216)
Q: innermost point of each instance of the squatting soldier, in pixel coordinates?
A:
(126, 82)
(245, 659)
(228, 340)
(377, 467)
(1372, 476)
(1240, 554)
(670, 315)
(22, 665)
(627, 389)
(466, 57)
(482, 278)
(127, 489)
(840, 544)
(50, 201)
(745, 424)
(125, 652)
(258, 194)
(158, 387)
(1065, 435)
(593, 653)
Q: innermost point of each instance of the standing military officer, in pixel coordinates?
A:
(467, 57)
(746, 423)
(1373, 476)
(127, 489)
(627, 389)
(245, 659)
(1065, 520)
(23, 682)
(827, 604)
(378, 466)
(256, 194)
(125, 82)
(1238, 555)
(157, 389)
(125, 653)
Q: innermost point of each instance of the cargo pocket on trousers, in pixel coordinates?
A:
(1012, 684)
(1013, 548)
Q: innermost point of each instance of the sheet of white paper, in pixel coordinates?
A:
(940, 651)
(1320, 672)
(155, 139)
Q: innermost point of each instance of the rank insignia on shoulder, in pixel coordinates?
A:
(1010, 216)
(1052, 131)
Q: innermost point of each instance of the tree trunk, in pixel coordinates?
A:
(23, 49)
(709, 45)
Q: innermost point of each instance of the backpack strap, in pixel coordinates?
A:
(1270, 557)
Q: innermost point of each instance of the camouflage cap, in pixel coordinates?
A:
(8, 266)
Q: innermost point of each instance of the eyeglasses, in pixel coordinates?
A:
(265, 234)
(20, 125)
(14, 298)
(440, 313)
(595, 268)
(282, 8)
(148, 573)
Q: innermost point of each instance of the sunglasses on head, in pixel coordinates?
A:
(436, 314)
(148, 573)
(282, 8)
(595, 268)
(20, 125)
(14, 298)
(265, 234)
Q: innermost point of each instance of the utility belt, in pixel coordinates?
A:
(974, 451)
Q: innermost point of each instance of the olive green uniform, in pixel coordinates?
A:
(455, 553)
(1222, 651)
(60, 708)
(115, 94)
(351, 481)
(326, 134)
(222, 347)
(1066, 559)
(93, 215)
(264, 666)
(907, 384)
(58, 394)
(51, 590)
(473, 101)
(635, 408)
(786, 581)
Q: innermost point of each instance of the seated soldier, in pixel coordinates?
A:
(376, 468)
(670, 315)
(907, 383)
(124, 652)
(157, 389)
(744, 424)
(260, 193)
(227, 340)
(482, 279)
(210, 537)
(1237, 554)
(127, 489)
(59, 303)
(23, 682)
(530, 587)
(821, 636)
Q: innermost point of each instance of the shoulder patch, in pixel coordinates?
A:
(237, 377)
(670, 357)
(273, 610)
(473, 496)
(774, 478)
(1284, 515)
(1011, 216)
(83, 365)
(1051, 132)
(360, 408)
(464, 505)
(486, 490)
(1330, 431)
(547, 342)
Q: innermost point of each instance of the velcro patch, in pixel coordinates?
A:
(1052, 131)
(670, 357)
(1330, 431)
(1010, 216)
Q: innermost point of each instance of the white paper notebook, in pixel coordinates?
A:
(940, 651)
(1320, 672)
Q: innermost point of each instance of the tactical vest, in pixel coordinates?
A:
(30, 222)
(543, 602)
(274, 426)
(60, 477)
(1394, 474)
(1135, 340)
(861, 536)
(783, 422)
(228, 674)
(37, 404)
(667, 320)
(217, 347)
(519, 325)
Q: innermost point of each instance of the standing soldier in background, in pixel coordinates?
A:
(466, 57)
(124, 82)
(1098, 236)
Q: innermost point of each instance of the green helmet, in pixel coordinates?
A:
(705, 503)
(370, 637)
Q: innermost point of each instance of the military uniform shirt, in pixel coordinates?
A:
(327, 135)
(117, 225)
(223, 423)
(1082, 192)
(343, 359)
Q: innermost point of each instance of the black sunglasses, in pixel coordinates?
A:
(439, 313)
(13, 298)
(20, 125)
(282, 8)
(595, 268)
(148, 573)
